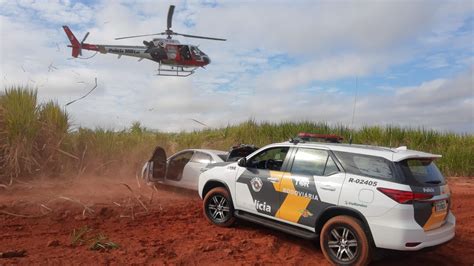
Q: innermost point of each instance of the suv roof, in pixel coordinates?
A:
(391, 154)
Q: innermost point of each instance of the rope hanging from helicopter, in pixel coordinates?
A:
(83, 57)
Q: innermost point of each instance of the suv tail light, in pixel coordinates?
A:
(404, 197)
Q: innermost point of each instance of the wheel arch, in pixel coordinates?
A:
(213, 183)
(337, 211)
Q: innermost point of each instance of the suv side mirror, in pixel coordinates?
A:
(242, 162)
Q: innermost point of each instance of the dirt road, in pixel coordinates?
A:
(169, 228)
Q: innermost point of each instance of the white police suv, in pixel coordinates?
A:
(353, 197)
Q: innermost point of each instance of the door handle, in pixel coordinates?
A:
(329, 188)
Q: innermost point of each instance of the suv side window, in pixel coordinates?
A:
(331, 167)
(366, 165)
(270, 159)
(313, 162)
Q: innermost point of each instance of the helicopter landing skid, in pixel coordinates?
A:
(175, 71)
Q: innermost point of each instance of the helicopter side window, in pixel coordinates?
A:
(171, 51)
(184, 51)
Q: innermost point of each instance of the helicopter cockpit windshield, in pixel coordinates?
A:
(197, 54)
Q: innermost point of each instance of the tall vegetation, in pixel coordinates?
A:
(19, 128)
(30, 134)
(35, 139)
(53, 128)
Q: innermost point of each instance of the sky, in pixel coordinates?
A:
(403, 63)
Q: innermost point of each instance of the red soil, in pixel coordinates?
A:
(173, 231)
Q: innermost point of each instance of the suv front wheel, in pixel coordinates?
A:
(218, 207)
(344, 241)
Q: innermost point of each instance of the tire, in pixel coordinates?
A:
(344, 242)
(218, 207)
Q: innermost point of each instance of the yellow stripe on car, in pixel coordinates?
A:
(291, 207)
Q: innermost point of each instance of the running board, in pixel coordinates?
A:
(289, 229)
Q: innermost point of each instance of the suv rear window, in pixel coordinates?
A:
(424, 171)
(365, 165)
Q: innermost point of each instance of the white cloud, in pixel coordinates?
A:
(314, 27)
(328, 68)
(56, 11)
(439, 92)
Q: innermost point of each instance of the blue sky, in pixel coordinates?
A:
(284, 60)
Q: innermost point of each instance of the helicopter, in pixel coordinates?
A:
(174, 58)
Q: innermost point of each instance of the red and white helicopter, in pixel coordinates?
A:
(174, 59)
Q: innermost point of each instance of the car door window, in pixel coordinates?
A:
(176, 165)
(313, 162)
(270, 159)
(202, 158)
(331, 167)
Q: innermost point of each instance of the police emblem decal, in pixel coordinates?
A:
(256, 183)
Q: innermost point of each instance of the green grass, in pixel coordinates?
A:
(95, 241)
(78, 236)
(35, 139)
(101, 242)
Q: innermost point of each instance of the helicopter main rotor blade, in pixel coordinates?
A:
(143, 35)
(199, 37)
(170, 16)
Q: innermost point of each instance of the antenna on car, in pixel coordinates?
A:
(353, 111)
(391, 131)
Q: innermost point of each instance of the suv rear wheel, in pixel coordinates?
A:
(218, 207)
(344, 241)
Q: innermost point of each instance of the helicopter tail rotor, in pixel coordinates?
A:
(75, 44)
(85, 37)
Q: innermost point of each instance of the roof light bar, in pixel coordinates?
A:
(320, 137)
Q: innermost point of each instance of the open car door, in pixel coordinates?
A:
(156, 166)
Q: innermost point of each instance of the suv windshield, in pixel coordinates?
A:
(424, 171)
